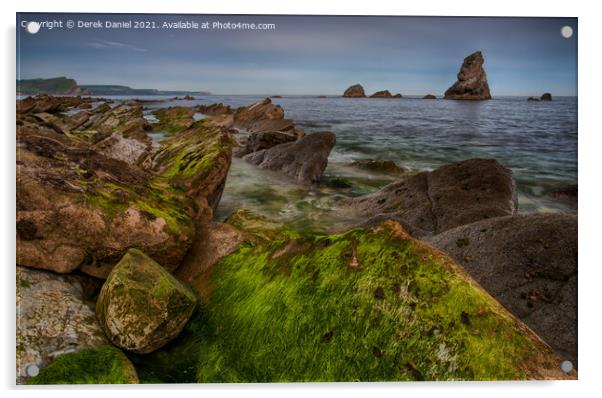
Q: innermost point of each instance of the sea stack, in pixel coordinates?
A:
(546, 97)
(355, 91)
(472, 80)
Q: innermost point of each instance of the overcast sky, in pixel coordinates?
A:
(305, 54)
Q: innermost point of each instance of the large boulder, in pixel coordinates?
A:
(365, 305)
(546, 97)
(141, 306)
(304, 159)
(355, 91)
(54, 317)
(472, 80)
(528, 263)
(431, 202)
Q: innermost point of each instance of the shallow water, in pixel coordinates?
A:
(536, 140)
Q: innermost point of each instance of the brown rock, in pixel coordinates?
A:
(379, 166)
(304, 159)
(429, 96)
(355, 91)
(263, 140)
(472, 80)
(214, 241)
(431, 202)
(382, 94)
(528, 262)
(546, 97)
(54, 317)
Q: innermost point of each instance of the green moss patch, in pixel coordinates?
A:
(103, 365)
(367, 305)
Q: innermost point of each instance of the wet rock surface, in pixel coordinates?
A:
(472, 80)
(529, 264)
(141, 306)
(431, 202)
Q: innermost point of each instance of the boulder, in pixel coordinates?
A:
(141, 306)
(532, 99)
(355, 91)
(472, 80)
(304, 159)
(263, 140)
(528, 263)
(54, 317)
(431, 202)
(429, 96)
(546, 97)
(378, 166)
(368, 304)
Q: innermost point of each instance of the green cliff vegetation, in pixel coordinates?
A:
(365, 305)
(57, 86)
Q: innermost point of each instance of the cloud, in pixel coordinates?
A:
(106, 44)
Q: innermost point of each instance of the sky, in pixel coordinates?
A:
(310, 55)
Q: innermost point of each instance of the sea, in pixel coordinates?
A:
(536, 140)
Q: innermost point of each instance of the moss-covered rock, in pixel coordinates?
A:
(195, 161)
(141, 306)
(174, 119)
(365, 305)
(103, 365)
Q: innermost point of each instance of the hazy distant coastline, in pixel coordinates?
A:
(67, 86)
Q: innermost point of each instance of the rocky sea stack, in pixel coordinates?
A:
(355, 91)
(472, 80)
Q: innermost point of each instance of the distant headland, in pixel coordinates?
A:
(66, 86)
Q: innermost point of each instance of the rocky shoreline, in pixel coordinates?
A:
(118, 248)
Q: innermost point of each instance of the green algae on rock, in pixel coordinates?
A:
(195, 161)
(365, 305)
(102, 365)
(141, 306)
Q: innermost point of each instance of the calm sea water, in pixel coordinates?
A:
(536, 140)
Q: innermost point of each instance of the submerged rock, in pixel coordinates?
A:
(528, 262)
(365, 305)
(429, 96)
(431, 202)
(141, 306)
(53, 318)
(304, 159)
(356, 91)
(103, 365)
(472, 80)
(379, 166)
